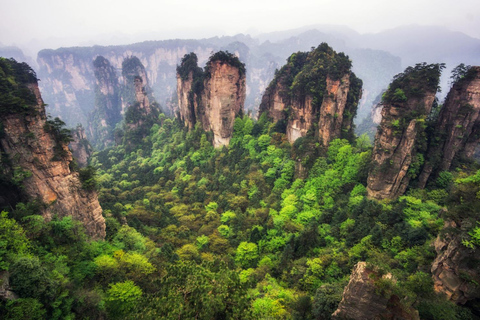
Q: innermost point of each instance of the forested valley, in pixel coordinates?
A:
(265, 227)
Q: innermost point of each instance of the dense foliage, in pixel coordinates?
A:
(225, 57)
(305, 74)
(241, 232)
(414, 82)
(15, 96)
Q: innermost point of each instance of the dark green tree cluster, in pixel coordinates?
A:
(15, 96)
(414, 82)
(240, 232)
(305, 74)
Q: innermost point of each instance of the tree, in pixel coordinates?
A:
(247, 254)
(122, 298)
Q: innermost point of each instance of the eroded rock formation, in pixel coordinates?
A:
(81, 148)
(362, 300)
(314, 89)
(41, 157)
(213, 98)
(108, 107)
(400, 134)
(457, 132)
(455, 269)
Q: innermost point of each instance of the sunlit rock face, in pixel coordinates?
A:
(213, 98)
(316, 91)
(223, 99)
(26, 138)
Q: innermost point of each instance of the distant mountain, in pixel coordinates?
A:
(67, 73)
(17, 54)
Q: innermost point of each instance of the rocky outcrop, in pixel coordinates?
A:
(400, 134)
(136, 97)
(186, 102)
(38, 149)
(362, 299)
(80, 147)
(455, 270)
(68, 79)
(108, 106)
(457, 132)
(223, 98)
(215, 101)
(6, 292)
(314, 89)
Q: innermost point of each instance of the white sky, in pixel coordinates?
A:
(50, 23)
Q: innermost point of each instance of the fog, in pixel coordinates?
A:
(33, 25)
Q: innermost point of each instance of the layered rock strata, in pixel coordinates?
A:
(215, 101)
(455, 269)
(362, 300)
(108, 106)
(35, 151)
(80, 147)
(406, 105)
(457, 132)
(314, 91)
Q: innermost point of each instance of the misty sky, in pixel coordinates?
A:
(52, 23)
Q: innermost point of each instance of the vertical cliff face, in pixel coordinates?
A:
(68, 79)
(458, 126)
(107, 111)
(223, 98)
(314, 88)
(81, 148)
(455, 269)
(400, 134)
(190, 78)
(37, 148)
(186, 102)
(361, 299)
(214, 97)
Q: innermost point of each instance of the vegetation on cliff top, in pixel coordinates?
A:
(15, 96)
(227, 58)
(305, 74)
(414, 82)
(241, 232)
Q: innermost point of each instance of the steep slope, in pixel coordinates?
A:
(406, 104)
(317, 87)
(35, 152)
(455, 269)
(80, 146)
(457, 129)
(215, 101)
(107, 111)
(362, 299)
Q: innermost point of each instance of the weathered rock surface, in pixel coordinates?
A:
(361, 299)
(216, 104)
(6, 292)
(223, 99)
(334, 103)
(81, 148)
(455, 270)
(409, 100)
(108, 107)
(331, 100)
(186, 102)
(32, 148)
(458, 128)
(68, 79)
